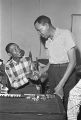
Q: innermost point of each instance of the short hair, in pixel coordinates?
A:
(42, 20)
(8, 47)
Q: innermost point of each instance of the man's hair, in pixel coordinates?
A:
(43, 20)
(8, 47)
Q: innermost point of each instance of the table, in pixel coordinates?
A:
(31, 107)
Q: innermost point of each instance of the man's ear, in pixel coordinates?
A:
(47, 24)
(9, 55)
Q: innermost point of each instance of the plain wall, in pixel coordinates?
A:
(18, 16)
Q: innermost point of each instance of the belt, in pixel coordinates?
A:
(60, 65)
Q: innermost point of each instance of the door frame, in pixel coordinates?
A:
(73, 15)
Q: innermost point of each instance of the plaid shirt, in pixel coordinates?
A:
(18, 73)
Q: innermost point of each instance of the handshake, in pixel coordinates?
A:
(38, 74)
(34, 75)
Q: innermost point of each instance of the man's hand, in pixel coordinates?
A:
(43, 68)
(59, 91)
(35, 75)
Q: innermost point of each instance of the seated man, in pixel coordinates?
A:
(20, 71)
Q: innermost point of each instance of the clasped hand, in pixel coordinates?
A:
(35, 75)
(59, 91)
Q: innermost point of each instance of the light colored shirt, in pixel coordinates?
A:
(58, 47)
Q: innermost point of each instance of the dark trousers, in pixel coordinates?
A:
(55, 74)
(28, 88)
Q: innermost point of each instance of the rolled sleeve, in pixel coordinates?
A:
(69, 41)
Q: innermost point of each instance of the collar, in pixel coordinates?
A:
(15, 62)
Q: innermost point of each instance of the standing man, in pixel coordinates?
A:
(60, 47)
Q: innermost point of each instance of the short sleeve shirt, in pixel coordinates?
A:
(58, 47)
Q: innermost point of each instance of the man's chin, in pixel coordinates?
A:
(45, 37)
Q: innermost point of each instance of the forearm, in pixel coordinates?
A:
(16, 84)
(68, 72)
(70, 67)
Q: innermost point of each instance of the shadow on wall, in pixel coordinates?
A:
(78, 57)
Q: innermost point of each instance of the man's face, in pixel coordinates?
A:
(15, 51)
(43, 30)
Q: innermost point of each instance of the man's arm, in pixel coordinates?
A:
(44, 69)
(14, 81)
(70, 67)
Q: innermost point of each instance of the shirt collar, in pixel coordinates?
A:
(50, 40)
(13, 61)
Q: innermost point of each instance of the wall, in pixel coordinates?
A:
(17, 17)
(17, 25)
